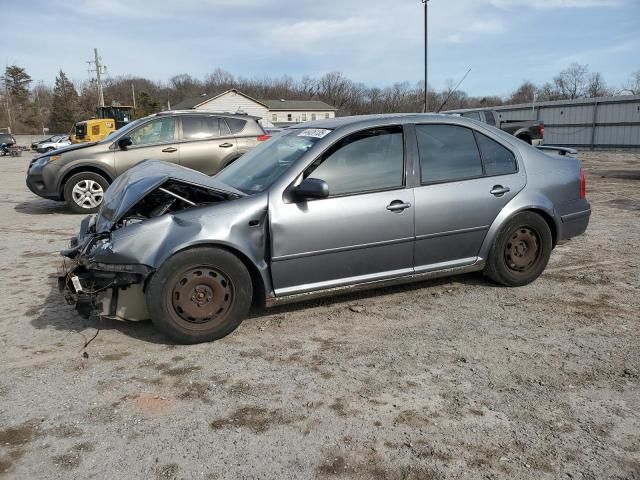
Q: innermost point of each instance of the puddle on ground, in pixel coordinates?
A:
(621, 174)
(625, 204)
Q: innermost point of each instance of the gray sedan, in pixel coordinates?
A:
(333, 205)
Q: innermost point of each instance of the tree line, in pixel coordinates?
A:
(29, 108)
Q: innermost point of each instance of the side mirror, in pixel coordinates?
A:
(124, 142)
(312, 188)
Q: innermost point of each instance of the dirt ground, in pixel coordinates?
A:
(457, 378)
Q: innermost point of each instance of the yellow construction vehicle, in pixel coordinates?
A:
(109, 119)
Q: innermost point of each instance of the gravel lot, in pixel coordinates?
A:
(456, 378)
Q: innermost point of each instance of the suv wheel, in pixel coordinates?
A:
(521, 251)
(199, 295)
(84, 192)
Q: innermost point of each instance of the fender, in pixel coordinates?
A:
(526, 200)
(240, 226)
(523, 131)
(70, 169)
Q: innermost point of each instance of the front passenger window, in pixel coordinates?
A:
(160, 130)
(366, 161)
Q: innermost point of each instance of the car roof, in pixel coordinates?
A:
(241, 116)
(339, 122)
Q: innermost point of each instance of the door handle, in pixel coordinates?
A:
(499, 190)
(398, 206)
(169, 149)
(226, 145)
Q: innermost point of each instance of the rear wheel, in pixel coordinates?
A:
(84, 192)
(199, 295)
(521, 251)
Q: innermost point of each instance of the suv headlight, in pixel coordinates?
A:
(41, 162)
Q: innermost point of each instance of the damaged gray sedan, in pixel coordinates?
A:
(334, 205)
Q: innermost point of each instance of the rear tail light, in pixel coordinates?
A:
(541, 129)
(583, 185)
(264, 137)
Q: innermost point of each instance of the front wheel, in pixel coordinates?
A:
(84, 192)
(199, 295)
(521, 250)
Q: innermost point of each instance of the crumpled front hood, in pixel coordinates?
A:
(137, 182)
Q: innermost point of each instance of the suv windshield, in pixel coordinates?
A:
(257, 170)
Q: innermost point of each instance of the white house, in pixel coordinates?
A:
(272, 113)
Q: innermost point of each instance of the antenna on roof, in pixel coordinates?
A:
(452, 91)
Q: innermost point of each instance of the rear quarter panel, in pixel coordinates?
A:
(553, 187)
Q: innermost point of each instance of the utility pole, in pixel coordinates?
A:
(133, 95)
(426, 57)
(98, 70)
(6, 93)
(39, 106)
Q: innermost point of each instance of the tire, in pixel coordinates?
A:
(49, 149)
(84, 192)
(521, 250)
(525, 139)
(199, 295)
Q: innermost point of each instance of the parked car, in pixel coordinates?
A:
(8, 140)
(35, 143)
(530, 131)
(54, 143)
(333, 205)
(79, 174)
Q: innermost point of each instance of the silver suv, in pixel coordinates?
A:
(207, 142)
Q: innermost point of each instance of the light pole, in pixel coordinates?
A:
(426, 95)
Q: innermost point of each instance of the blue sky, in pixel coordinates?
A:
(377, 42)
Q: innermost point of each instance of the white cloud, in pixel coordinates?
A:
(551, 4)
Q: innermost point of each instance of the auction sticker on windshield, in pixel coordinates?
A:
(314, 132)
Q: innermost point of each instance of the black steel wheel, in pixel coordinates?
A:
(521, 250)
(199, 295)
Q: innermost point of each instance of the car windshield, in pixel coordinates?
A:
(257, 170)
(126, 128)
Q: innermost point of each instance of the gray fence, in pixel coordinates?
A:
(593, 122)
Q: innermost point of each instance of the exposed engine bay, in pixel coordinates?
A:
(172, 196)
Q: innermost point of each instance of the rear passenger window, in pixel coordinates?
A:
(447, 153)
(235, 124)
(200, 128)
(224, 128)
(497, 159)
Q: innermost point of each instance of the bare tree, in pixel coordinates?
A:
(633, 84)
(525, 93)
(597, 86)
(573, 82)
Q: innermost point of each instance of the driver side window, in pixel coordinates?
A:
(366, 161)
(160, 130)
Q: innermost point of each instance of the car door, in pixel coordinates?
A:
(466, 179)
(362, 232)
(207, 143)
(153, 140)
